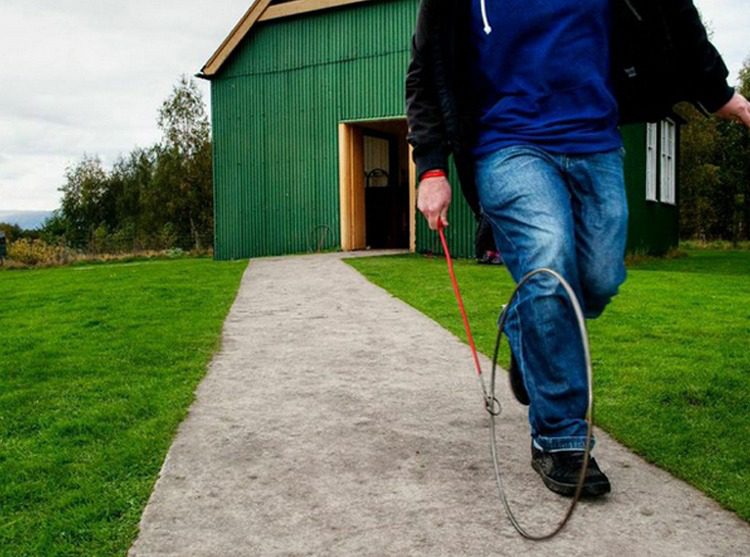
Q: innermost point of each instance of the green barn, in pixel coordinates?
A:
(309, 127)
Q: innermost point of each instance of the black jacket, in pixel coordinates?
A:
(660, 55)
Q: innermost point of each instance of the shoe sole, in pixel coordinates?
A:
(595, 489)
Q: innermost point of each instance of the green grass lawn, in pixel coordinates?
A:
(98, 366)
(671, 355)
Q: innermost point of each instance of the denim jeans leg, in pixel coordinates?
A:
(600, 209)
(524, 193)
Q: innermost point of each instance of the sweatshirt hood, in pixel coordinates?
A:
(488, 29)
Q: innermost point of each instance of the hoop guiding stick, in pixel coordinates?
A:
(491, 403)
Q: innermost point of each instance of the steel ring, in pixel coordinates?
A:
(589, 410)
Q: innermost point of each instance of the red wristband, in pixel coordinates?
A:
(435, 173)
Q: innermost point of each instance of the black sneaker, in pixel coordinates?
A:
(516, 382)
(560, 471)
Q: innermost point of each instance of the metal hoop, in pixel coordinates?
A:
(589, 410)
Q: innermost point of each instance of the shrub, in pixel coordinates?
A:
(26, 253)
(175, 252)
(38, 252)
(168, 236)
(100, 241)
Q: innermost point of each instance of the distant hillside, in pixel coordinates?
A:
(28, 220)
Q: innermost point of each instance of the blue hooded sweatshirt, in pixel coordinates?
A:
(542, 75)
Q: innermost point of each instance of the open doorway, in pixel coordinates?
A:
(377, 185)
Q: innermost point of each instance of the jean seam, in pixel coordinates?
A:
(568, 442)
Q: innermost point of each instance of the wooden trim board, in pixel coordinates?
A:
(351, 188)
(234, 38)
(344, 198)
(357, 184)
(412, 202)
(303, 6)
(262, 10)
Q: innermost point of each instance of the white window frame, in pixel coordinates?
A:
(652, 138)
(668, 168)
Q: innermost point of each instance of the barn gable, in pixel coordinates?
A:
(264, 10)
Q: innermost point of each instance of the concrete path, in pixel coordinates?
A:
(337, 420)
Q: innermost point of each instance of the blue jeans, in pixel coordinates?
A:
(568, 213)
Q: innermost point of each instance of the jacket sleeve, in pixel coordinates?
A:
(424, 116)
(702, 66)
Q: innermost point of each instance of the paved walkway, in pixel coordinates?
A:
(337, 420)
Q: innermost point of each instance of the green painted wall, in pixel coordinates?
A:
(276, 105)
(653, 227)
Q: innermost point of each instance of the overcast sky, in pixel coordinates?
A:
(88, 76)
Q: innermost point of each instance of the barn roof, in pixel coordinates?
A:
(262, 10)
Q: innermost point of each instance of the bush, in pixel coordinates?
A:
(714, 244)
(168, 236)
(100, 241)
(27, 253)
(38, 252)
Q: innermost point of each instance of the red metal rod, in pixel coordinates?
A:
(459, 299)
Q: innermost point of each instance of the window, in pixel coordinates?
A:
(651, 161)
(661, 161)
(668, 163)
(376, 161)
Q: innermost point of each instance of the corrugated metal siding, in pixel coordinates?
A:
(276, 107)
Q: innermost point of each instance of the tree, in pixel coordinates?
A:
(54, 229)
(183, 120)
(84, 189)
(699, 175)
(184, 164)
(12, 231)
(715, 175)
(156, 197)
(741, 152)
(130, 182)
(744, 81)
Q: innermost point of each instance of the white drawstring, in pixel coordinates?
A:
(487, 28)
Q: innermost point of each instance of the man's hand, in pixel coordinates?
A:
(737, 109)
(433, 200)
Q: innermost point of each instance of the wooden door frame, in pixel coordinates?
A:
(352, 187)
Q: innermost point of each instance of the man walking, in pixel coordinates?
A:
(527, 95)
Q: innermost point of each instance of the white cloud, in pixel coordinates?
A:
(28, 181)
(88, 76)
(730, 21)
